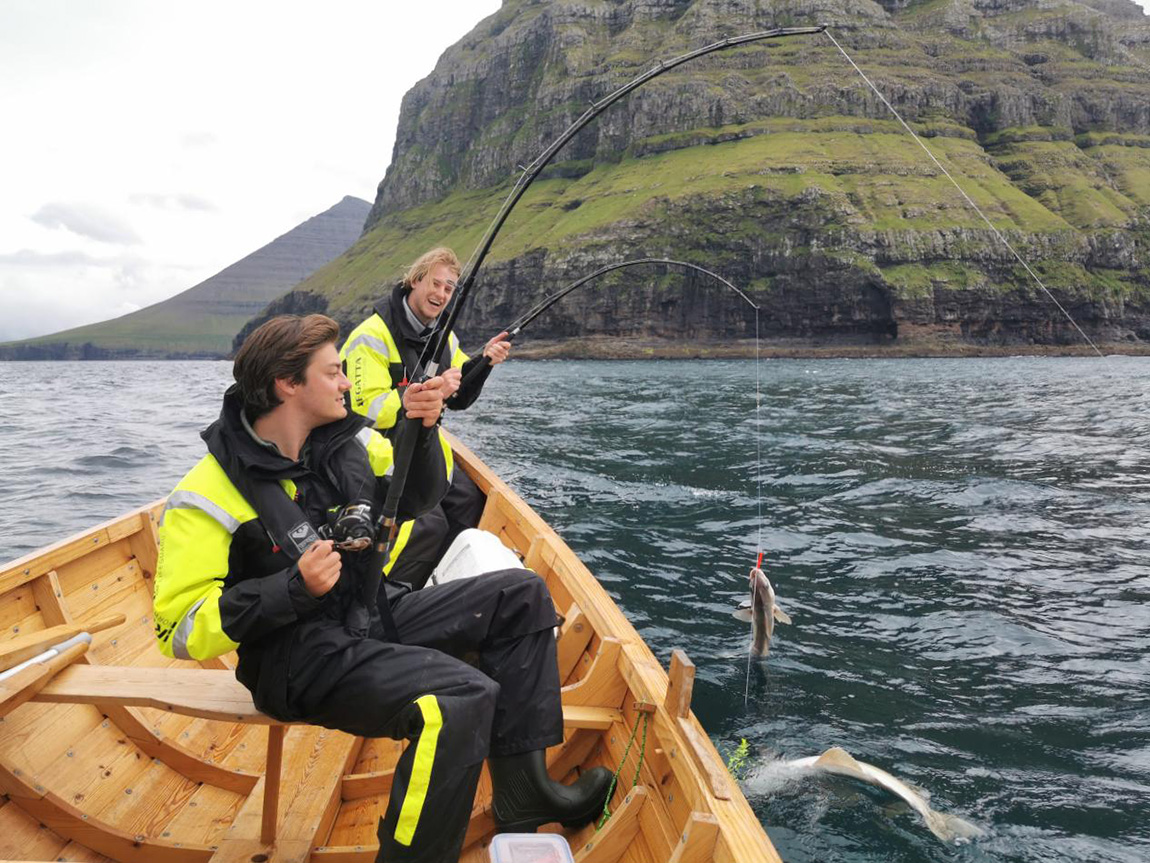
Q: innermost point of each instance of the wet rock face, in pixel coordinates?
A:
(818, 263)
(813, 296)
(523, 75)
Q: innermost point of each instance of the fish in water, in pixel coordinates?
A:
(948, 828)
(762, 611)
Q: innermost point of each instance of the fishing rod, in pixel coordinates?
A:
(543, 305)
(407, 431)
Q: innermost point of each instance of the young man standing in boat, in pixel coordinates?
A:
(243, 567)
(381, 355)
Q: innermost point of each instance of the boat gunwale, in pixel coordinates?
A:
(84, 542)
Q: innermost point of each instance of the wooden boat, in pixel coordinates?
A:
(119, 753)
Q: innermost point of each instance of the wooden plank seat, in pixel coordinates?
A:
(204, 692)
(216, 694)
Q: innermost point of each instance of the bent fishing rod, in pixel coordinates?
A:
(407, 431)
(543, 305)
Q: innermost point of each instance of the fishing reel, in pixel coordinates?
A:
(352, 527)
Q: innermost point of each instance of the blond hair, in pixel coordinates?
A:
(424, 263)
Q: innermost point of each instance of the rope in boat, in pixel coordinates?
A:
(940, 166)
(645, 716)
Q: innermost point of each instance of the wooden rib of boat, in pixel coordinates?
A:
(122, 754)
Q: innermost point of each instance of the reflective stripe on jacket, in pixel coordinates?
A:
(206, 527)
(370, 357)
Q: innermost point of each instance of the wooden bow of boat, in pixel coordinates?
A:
(130, 756)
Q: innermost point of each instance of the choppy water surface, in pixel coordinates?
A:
(964, 546)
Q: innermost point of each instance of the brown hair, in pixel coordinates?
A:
(279, 349)
(424, 263)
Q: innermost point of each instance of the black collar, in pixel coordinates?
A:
(234, 447)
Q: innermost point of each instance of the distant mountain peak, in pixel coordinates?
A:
(202, 320)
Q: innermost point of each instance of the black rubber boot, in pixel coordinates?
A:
(524, 797)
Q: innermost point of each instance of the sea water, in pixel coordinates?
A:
(964, 547)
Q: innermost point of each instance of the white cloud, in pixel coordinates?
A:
(201, 131)
(198, 139)
(173, 201)
(44, 293)
(29, 258)
(86, 220)
(191, 134)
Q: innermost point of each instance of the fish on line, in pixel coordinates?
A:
(761, 610)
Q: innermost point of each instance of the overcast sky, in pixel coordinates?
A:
(147, 145)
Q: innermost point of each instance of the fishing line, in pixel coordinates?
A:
(758, 435)
(759, 486)
(515, 327)
(939, 164)
(997, 233)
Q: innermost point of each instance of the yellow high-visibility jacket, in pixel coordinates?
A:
(222, 580)
(382, 353)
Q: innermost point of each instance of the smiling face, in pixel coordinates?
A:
(430, 294)
(320, 396)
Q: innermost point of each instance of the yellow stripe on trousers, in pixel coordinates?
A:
(401, 539)
(421, 770)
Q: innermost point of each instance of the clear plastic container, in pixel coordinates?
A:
(530, 848)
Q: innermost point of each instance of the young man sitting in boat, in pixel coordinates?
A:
(242, 567)
(381, 355)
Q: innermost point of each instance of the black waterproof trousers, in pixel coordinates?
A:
(455, 713)
(423, 550)
(462, 506)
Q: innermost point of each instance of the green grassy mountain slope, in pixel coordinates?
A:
(202, 321)
(778, 166)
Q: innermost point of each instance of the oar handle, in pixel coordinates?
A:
(104, 623)
(25, 682)
(17, 650)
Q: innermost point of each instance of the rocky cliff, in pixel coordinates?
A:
(202, 321)
(778, 166)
